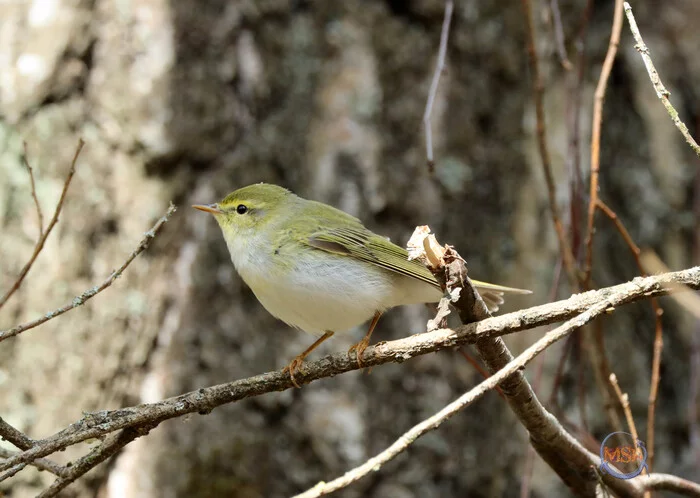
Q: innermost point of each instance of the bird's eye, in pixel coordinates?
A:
(241, 209)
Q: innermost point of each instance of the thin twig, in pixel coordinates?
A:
(553, 401)
(13, 471)
(654, 385)
(433, 422)
(110, 447)
(39, 214)
(661, 91)
(97, 425)
(15, 436)
(39, 463)
(595, 135)
(439, 68)
(538, 89)
(559, 36)
(597, 354)
(665, 482)
(602, 372)
(624, 400)
(472, 361)
(40, 243)
(581, 381)
(658, 333)
(92, 292)
(576, 83)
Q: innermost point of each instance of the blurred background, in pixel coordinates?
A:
(187, 100)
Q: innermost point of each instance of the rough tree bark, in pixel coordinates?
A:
(187, 100)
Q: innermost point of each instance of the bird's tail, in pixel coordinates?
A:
(492, 294)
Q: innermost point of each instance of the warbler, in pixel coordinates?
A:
(320, 269)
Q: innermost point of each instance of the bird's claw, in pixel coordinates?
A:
(292, 367)
(359, 349)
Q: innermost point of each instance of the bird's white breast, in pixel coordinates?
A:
(322, 292)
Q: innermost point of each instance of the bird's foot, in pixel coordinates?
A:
(294, 366)
(359, 350)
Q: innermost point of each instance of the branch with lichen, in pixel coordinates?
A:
(661, 92)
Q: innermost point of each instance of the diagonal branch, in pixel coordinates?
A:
(92, 292)
(40, 243)
(15, 436)
(110, 447)
(661, 90)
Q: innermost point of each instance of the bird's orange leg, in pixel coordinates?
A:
(299, 359)
(360, 347)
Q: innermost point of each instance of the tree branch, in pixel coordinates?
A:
(92, 292)
(39, 463)
(439, 68)
(661, 91)
(15, 436)
(96, 425)
(40, 243)
(666, 482)
(538, 89)
(595, 136)
(110, 447)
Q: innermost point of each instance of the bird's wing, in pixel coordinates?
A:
(360, 243)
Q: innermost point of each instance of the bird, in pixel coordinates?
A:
(320, 269)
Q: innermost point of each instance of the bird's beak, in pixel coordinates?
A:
(209, 208)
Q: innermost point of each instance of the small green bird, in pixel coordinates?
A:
(318, 268)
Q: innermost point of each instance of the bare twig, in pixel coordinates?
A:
(439, 68)
(602, 372)
(85, 296)
(625, 403)
(472, 361)
(624, 400)
(601, 367)
(595, 136)
(39, 214)
(12, 471)
(658, 333)
(39, 463)
(691, 303)
(15, 436)
(661, 92)
(40, 243)
(666, 482)
(559, 36)
(538, 89)
(576, 83)
(23, 442)
(110, 447)
(654, 384)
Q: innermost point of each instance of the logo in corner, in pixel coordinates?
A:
(622, 456)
